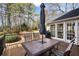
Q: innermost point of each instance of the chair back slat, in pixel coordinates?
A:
(28, 37)
(73, 40)
(36, 36)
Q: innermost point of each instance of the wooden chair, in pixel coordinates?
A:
(67, 52)
(48, 35)
(28, 37)
(36, 36)
(2, 44)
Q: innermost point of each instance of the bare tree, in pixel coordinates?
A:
(1, 14)
(73, 6)
(66, 7)
(54, 9)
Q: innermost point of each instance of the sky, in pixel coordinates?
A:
(37, 8)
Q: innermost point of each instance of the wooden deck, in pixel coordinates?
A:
(75, 49)
(18, 50)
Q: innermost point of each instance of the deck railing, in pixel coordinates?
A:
(13, 48)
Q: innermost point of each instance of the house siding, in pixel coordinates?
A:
(76, 27)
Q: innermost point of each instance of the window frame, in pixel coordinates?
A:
(71, 31)
(60, 31)
(53, 30)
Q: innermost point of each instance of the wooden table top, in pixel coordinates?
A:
(35, 47)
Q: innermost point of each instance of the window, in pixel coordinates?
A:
(53, 30)
(70, 30)
(60, 30)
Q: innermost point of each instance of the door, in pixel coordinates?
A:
(70, 31)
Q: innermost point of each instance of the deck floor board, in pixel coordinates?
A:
(18, 50)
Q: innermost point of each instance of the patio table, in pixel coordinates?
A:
(35, 48)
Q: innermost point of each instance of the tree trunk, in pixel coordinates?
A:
(73, 7)
(9, 22)
(9, 14)
(19, 22)
(2, 19)
(66, 7)
(28, 21)
(15, 22)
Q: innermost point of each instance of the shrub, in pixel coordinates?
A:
(11, 38)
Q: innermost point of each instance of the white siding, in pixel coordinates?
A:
(77, 32)
(64, 31)
(76, 28)
(56, 30)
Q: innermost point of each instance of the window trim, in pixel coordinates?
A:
(53, 30)
(62, 30)
(72, 22)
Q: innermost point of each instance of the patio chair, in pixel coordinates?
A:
(28, 37)
(2, 44)
(48, 35)
(67, 52)
(36, 36)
